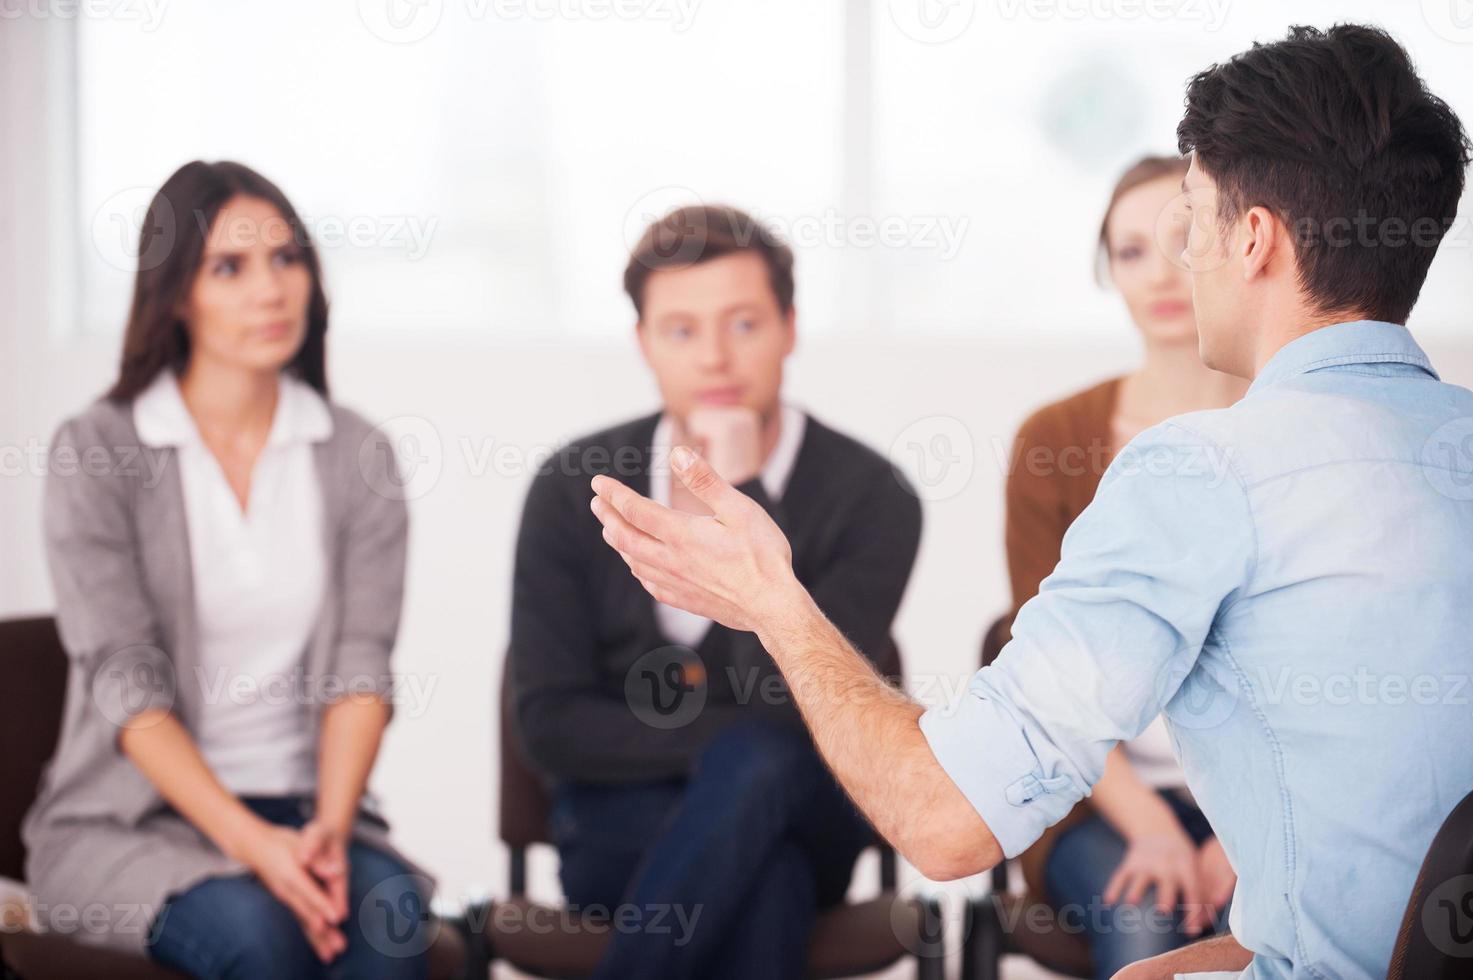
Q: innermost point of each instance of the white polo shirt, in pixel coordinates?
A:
(259, 581)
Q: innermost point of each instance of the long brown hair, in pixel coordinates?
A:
(1143, 171)
(170, 250)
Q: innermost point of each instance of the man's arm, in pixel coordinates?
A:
(868, 732)
(858, 584)
(1220, 953)
(571, 727)
(1111, 636)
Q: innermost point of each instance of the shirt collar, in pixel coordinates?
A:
(1353, 342)
(162, 418)
(775, 472)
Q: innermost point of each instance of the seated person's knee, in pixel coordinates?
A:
(755, 750)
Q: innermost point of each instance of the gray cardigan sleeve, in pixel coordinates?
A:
(105, 618)
(374, 551)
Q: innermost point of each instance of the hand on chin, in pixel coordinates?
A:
(730, 439)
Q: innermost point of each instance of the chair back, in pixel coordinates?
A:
(1436, 937)
(524, 805)
(996, 638)
(34, 667)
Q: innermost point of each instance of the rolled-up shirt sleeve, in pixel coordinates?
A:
(1114, 631)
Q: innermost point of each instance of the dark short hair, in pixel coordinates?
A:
(171, 249)
(699, 233)
(1329, 130)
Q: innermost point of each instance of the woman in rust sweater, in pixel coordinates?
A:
(1136, 865)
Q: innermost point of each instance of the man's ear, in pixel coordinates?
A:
(790, 320)
(1262, 237)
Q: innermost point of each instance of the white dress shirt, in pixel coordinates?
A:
(259, 578)
(680, 626)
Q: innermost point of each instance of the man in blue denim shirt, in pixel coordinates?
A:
(1289, 580)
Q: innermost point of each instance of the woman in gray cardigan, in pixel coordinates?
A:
(227, 548)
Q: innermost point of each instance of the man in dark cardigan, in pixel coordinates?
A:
(691, 809)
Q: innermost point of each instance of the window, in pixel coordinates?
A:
(485, 177)
(481, 166)
(1018, 127)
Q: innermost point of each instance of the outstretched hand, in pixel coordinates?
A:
(734, 567)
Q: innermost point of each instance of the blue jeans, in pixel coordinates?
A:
(232, 928)
(718, 875)
(1080, 866)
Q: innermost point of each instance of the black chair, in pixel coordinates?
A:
(1004, 922)
(850, 939)
(34, 666)
(1435, 941)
